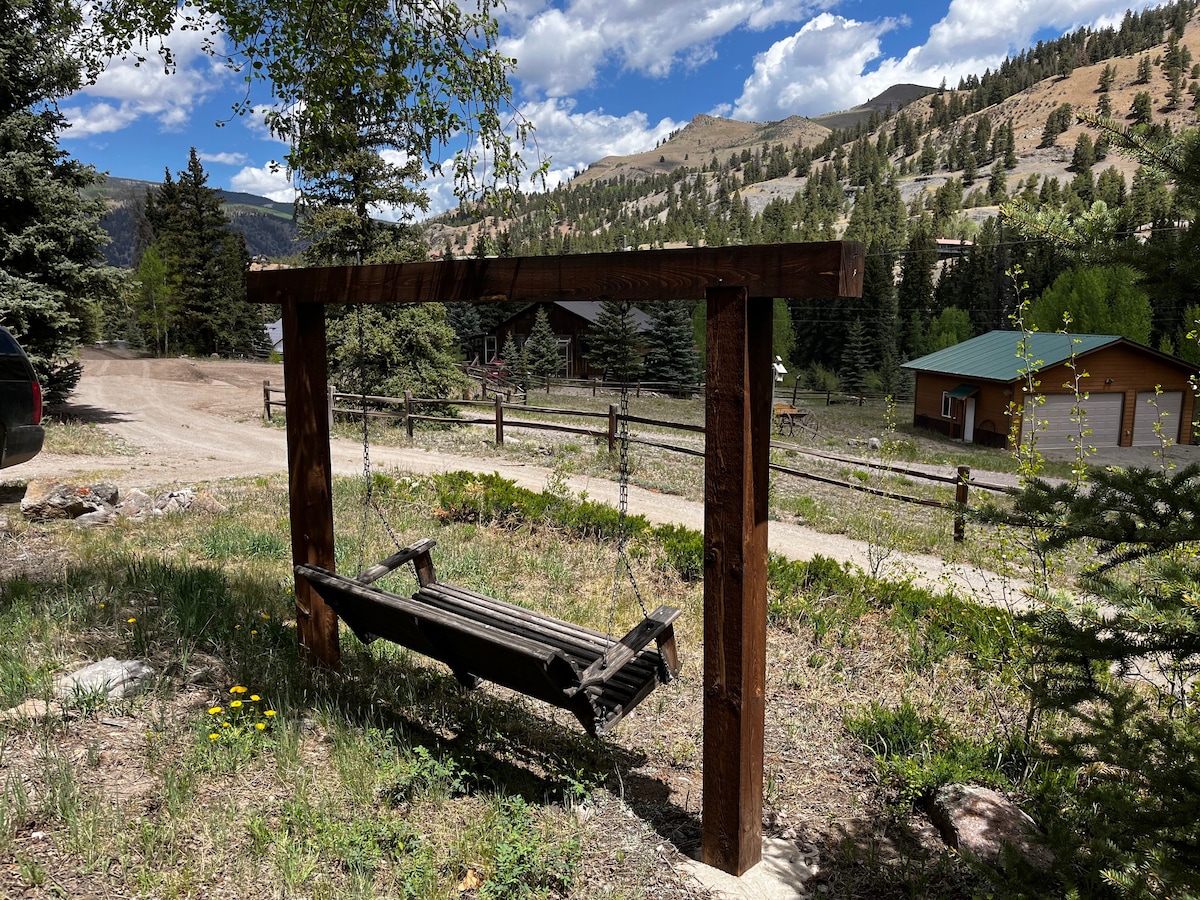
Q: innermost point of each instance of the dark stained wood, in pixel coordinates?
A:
(480, 637)
(829, 269)
(738, 425)
(310, 481)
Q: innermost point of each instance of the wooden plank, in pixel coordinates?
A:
(738, 422)
(828, 269)
(624, 650)
(310, 479)
(393, 562)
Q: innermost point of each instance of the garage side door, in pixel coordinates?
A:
(1168, 405)
(1101, 413)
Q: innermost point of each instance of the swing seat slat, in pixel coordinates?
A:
(481, 638)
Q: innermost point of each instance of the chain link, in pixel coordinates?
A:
(622, 516)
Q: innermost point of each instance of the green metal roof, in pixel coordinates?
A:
(993, 356)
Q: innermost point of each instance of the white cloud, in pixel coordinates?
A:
(563, 50)
(813, 71)
(822, 67)
(127, 91)
(223, 159)
(270, 181)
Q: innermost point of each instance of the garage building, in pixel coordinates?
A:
(1134, 395)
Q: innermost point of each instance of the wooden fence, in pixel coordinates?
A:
(408, 411)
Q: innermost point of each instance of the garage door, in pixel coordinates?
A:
(1168, 406)
(1101, 414)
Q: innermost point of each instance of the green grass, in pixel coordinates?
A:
(71, 437)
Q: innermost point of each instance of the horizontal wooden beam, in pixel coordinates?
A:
(824, 269)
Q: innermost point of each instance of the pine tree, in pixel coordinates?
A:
(52, 281)
(670, 346)
(615, 342)
(541, 350)
(856, 358)
(205, 263)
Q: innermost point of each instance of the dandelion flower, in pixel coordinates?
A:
(254, 631)
(269, 713)
(238, 689)
(224, 724)
(213, 736)
(131, 619)
(265, 616)
(254, 698)
(102, 606)
(215, 711)
(260, 725)
(236, 704)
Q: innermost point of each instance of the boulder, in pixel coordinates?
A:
(981, 823)
(45, 500)
(117, 678)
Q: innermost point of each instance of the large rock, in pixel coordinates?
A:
(45, 500)
(116, 678)
(980, 822)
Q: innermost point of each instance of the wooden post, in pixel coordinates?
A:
(499, 421)
(310, 480)
(267, 399)
(408, 413)
(736, 471)
(612, 427)
(332, 391)
(960, 497)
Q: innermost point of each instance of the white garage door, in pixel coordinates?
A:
(1101, 414)
(1167, 407)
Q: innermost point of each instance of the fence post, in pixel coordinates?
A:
(795, 390)
(332, 390)
(267, 399)
(408, 413)
(593, 385)
(960, 497)
(499, 422)
(612, 427)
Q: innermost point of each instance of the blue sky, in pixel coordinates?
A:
(600, 77)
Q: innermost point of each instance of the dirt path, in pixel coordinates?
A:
(195, 421)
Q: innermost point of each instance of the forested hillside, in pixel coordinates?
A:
(938, 167)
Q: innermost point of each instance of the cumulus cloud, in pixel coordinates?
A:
(824, 66)
(560, 50)
(127, 91)
(813, 71)
(223, 159)
(270, 181)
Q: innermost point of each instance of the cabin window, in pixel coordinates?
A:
(489, 348)
(947, 405)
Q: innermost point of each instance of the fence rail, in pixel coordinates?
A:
(408, 413)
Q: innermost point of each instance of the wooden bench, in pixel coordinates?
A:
(479, 638)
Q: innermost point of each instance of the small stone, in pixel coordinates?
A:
(875, 444)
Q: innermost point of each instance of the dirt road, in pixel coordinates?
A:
(195, 421)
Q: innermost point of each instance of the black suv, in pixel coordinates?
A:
(21, 432)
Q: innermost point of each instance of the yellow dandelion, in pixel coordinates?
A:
(102, 606)
(260, 725)
(254, 698)
(131, 619)
(269, 713)
(265, 616)
(254, 631)
(213, 736)
(224, 724)
(238, 689)
(236, 704)
(215, 711)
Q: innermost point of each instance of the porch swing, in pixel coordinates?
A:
(591, 674)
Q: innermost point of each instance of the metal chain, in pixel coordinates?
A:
(622, 515)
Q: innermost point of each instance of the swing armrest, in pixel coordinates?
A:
(395, 561)
(659, 625)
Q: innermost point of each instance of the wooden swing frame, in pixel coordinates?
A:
(738, 284)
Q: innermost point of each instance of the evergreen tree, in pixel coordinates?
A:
(615, 343)
(914, 293)
(670, 345)
(541, 350)
(52, 283)
(206, 263)
(856, 358)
